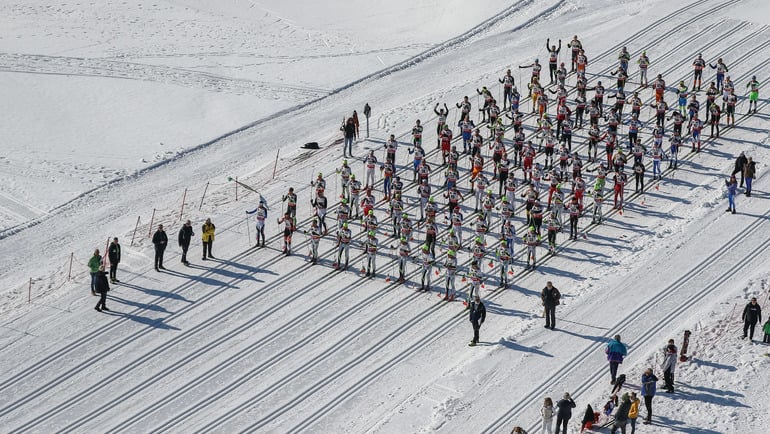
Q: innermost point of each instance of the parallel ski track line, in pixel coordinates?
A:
(407, 63)
(267, 419)
(515, 411)
(332, 249)
(645, 337)
(314, 336)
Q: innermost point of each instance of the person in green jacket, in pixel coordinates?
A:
(766, 329)
(93, 266)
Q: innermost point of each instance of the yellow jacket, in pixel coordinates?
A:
(633, 412)
(208, 232)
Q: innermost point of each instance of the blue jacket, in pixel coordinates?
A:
(649, 384)
(615, 351)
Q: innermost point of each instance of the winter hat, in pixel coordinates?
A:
(625, 397)
(566, 396)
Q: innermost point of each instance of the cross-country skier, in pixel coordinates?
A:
(644, 65)
(315, 237)
(466, 126)
(450, 271)
(291, 206)
(715, 113)
(417, 134)
(320, 184)
(531, 239)
(639, 176)
(404, 252)
(465, 108)
(576, 47)
(387, 170)
(698, 65)
(553, 58)
(288, 228)
(370, 248)
(721, 71)
(504, 259)
(475, 277)
(371, 163)
(321, 204)
(695, 126)
(440, 122)
(427, 268)
(344, 237)
(355, 191)
(345, 173)
(508, 83)
(487, 95)
(261, 215)
(391, 146)
(598, 195)
(536, 67)
(753, 86)
(553, 225)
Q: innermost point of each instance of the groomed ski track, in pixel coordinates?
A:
(252, 366)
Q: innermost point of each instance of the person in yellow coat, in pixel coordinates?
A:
(208, 238)
(633, 412)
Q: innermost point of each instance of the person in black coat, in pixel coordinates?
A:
(550, 296)
(102, 286)
(349, 130)
(160, 240)
(740, 163)
(114, 254)
(564, 412)
(752, 314)
(185, 235)
(478, 313)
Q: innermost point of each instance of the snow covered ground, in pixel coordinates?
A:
(122, 110)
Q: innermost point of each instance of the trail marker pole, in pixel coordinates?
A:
(184, 197)
(132, 236)
(204, 195)
(152, 220)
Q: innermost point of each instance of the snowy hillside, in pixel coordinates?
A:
(120, 116)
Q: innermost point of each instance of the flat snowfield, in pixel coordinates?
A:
(119, 116)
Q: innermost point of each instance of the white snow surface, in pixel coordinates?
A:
(122, 112)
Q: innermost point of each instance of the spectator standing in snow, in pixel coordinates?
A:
(749, 170)
(478, 313)
(615, 351)
(732, 190)
(547, 413)
(349, 134)
(355, 122)
(113, 253)
(207, 237)
(160, 240)
(93, 267)
(621, 414)
(766, 329)
(649, 384)
(185, 236)
(752, 314)
(668, 366)
(564, 413)
(102, 286)
(740, 162)
(633, 411)
(550, 296)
